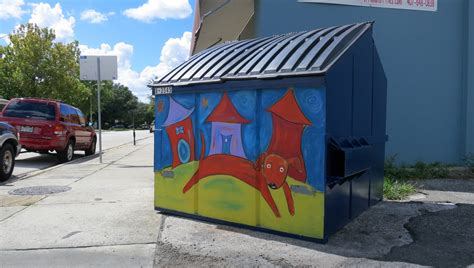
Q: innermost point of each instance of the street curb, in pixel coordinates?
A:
(74, 161)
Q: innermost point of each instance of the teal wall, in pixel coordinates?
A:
(429, 62)
(470, 80)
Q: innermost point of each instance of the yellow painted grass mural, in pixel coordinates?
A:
(227, 198)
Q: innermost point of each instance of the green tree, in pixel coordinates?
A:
(121, 106)
(144, 114)
(33, 65)
(118, 104)
(89, 105)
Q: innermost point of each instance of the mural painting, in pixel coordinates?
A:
(179, 128)
(262, 148)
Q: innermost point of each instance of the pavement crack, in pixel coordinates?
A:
(158, 239)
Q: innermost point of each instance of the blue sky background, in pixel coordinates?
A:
(143, 34)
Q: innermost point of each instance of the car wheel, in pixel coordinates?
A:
(7, 161)
(68, 153)
(92, 148)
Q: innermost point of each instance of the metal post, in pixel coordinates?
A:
(90, 108)
(134, 136)
(98, 109)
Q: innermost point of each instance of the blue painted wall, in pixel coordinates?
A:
(470, 80)
(428, 60)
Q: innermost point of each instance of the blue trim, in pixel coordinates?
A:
(239, 225)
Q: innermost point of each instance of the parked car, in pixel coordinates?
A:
(9, 149)
(49, 125)
(143, 127)
(152, 126)
(118, 126)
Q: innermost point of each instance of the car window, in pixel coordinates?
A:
(32, 110)
(82, 120)
(64, 112)
(74, 118)
(68, 114)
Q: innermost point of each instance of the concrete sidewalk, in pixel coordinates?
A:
(105, 219)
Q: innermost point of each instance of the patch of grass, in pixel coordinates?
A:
(429, 171)
(420, 170)
(397, 189)
(469, 161)
(392, 171)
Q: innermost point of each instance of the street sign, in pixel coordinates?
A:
(88, 68)
(421, 5)
(98, 68)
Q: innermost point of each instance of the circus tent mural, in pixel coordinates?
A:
(288, 124)
(179, 128)
(226, 136)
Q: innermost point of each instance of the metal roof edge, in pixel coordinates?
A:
(239, 78)
(368, 25)
(331, 61)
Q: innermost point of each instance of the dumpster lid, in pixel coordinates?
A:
(293, 54)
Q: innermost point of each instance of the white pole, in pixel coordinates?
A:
(98, 109)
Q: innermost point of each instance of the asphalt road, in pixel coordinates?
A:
(29, 162)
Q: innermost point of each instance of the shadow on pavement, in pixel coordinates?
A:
(429, 234)
(31, 162)
(37, 161)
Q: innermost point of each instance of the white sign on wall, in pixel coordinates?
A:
(421, 5)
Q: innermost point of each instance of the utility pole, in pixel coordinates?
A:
(98, 109)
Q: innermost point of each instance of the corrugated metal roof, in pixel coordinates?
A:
(292, 54)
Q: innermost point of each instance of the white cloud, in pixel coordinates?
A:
(11, 9)
(52, 17)
(174, 52)
(4, 38)
(93, 16)
(160, 9)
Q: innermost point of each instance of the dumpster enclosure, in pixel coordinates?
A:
(284, 134)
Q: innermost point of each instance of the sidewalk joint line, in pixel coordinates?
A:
(78, 247)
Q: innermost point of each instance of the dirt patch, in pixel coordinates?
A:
(25, 200)
(170, 256)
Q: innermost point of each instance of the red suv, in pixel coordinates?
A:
(48, 125)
